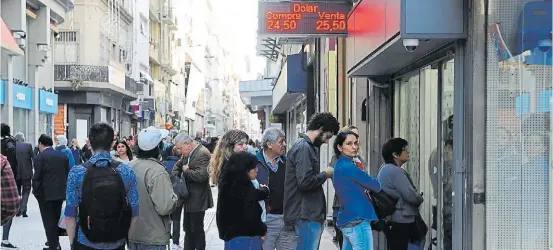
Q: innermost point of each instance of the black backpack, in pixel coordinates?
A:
(104, 210)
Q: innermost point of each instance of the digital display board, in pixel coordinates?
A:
(305, 18)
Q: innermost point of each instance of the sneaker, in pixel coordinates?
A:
(18, 214)
(8, 246)
(24, 214)
(176, 247)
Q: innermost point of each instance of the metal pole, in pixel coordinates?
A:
(458, 147)
(440, 172)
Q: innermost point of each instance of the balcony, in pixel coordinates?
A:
(133, 86)
(168, 17)
(154, 50)
(154, 10)
(93, 78)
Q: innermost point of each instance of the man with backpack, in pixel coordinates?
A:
(102, 197)
(153, 227)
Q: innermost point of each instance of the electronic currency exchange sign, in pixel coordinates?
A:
(303, 19)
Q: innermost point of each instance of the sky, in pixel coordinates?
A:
(239, 29)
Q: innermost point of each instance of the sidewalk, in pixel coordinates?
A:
(28, 233)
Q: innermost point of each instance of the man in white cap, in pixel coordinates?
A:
(156, 193)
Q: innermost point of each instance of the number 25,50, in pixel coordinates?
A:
(326, 25)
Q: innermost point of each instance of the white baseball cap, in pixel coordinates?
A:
(150, 137)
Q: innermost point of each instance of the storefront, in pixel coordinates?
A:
(518, 128)
(48, 107)
(476, 113)
(22, 104)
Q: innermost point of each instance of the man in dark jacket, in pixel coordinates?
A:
(271, 163)
(193, 167)
(49, 185)
(25, 155)
(8, 149)
(304, 198)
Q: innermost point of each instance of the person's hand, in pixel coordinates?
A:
(264, 186)
(184, 167)
(329, 172)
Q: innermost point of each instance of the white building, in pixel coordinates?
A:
(27, 99)
(94, 67)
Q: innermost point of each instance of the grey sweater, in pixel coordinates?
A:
(396, 182)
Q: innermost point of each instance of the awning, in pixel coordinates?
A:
(291, 84)
(145, 76)
(8, 42)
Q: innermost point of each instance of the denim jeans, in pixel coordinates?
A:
(277, 236)
(244, 243)
(359, 237)
(308, 234)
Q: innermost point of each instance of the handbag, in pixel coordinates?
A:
(383, 203)
(62, 225)
(179, 187)
(421, 229)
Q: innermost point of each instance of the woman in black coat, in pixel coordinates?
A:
(238, 209)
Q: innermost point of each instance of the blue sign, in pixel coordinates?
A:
(22, 97)
(48, 102)
(2, 91)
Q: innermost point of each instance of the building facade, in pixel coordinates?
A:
(93, 67)
(27, 98)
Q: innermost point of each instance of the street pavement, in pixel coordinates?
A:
(28, 233)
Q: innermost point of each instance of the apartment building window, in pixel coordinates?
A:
(66, 36)
(66, 47)
(144, 27)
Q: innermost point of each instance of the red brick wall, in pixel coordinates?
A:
(59, 121)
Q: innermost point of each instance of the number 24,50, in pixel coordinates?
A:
(328, 26)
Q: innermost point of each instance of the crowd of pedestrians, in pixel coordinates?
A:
(133, 192)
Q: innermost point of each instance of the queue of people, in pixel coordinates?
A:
(269, 198)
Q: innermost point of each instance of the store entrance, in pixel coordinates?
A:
(423, 115)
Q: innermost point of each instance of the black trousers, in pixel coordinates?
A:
(194, 237)
(24, 189)
(175, 218)
(50, 212)
(339, 235)
(399, 235)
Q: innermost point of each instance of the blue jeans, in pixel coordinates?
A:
(308, 234)
(277, 236)
(359, 237)
(244, 243)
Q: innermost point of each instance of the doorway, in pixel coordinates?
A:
(423, 115)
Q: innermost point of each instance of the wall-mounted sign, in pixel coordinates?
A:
(22, 97)
(48, 102)
(303, 19)
(2, 91)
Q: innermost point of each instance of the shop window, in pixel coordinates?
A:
(519, 85)
(20, 121)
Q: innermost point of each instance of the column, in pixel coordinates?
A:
(9, 93)
(38, 39)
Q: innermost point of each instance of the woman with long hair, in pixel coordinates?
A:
(239, 214)
(124, 152)
(232, 141)
(350, 182)
(336, 203)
